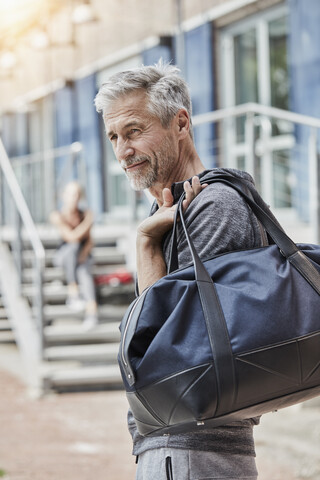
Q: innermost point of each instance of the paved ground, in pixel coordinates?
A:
(83, 436)
(79, 436)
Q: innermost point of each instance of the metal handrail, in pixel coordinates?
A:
(52, 179)
(25, 217)
(245, 108)
(250, 110)
(50, 153)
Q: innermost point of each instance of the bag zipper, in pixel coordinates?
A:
(125, 360)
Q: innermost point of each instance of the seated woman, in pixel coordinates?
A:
(73, 255)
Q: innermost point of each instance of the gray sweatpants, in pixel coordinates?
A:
(67, 258)
(180, 464)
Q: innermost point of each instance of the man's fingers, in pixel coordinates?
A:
(192, 190)
(167, 197)
(189, 195)
(196, 185)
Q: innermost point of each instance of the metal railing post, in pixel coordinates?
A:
(314, 184)
(250, 142)
(39, 269)
(18, 245)
(266, 156)
(1, 201)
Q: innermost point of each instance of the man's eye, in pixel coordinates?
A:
(113, 137)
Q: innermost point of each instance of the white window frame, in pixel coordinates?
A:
(234, 149)
(260, 23)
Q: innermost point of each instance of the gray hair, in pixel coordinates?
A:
(166, 90)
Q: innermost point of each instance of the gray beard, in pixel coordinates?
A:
(159, 163)
(140, 182)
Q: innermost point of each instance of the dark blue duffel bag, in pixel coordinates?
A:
(226, 339)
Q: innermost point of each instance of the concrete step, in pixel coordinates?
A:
(57, 293)
(50, 274)
(95, 376)
(101, 255)
(107, 233)
(3, 313)
(103, 352)
(108, 332)
(7, 337)
(56, 273)
(4, 324)
(106, 312)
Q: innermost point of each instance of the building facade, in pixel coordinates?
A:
(231, 52)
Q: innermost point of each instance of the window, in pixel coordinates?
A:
(245, 72)
(255, 69)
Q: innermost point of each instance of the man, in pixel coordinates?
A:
(147, 115)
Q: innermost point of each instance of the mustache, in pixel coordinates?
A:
(133, 160)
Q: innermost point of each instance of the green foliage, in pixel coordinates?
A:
(2, 473)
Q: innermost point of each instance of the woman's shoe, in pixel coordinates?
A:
(75, 303)
(90, 321)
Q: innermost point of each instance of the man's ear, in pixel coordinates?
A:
(183, 122)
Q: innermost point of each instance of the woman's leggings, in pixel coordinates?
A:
(80, 273)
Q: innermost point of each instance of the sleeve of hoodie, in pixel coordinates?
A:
(218, 220)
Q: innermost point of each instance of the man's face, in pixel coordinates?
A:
(144, 148)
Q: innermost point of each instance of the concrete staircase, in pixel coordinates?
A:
(74, 358)
(6, 333)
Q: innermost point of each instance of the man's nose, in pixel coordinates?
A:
(124, 149)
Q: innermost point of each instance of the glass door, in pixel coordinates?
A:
(255, 69)
(245, 74)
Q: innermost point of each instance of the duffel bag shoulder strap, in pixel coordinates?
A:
(173, 263)
(213, 314)
(287, 247)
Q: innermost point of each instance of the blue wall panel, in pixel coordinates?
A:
(89, 135)
(304, 62)
(21, 133)
(64, 131)
(199, 75)
(7, 133)
(64, 112)
(152, 55)
(7, 137)
(14, 135)
(304, 41)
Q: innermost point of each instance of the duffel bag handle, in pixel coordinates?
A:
(287, 247)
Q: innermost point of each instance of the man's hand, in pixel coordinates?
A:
(192, 191)
(150, 262)
(157, 225)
